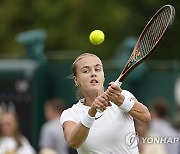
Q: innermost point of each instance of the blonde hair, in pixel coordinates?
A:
(74, 66)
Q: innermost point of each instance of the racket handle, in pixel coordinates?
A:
(98, 110)
(118, 83)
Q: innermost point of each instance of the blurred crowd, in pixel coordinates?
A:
(160, 136)
(12, 140)
(51, 139)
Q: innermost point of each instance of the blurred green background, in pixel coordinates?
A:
(39, 40)
(68, 24)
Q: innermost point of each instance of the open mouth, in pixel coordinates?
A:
(94, 81)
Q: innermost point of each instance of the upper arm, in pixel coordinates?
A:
(68, 121)
(68, 126)
(74, 132)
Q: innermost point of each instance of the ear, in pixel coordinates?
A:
(76, 81)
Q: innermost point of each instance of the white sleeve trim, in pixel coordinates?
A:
(68, 115)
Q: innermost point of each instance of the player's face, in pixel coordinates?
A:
(90, 74)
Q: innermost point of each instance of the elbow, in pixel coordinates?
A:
(147, 117)
(73, 145)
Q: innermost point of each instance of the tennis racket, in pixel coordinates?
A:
(153, 33)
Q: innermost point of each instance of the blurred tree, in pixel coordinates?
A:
(69, 23)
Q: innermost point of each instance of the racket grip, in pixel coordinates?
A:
(98, 110)
(118, 83)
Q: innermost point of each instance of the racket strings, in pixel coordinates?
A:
(154, 32)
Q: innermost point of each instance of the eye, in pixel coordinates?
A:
(98, 69)
(85, 71)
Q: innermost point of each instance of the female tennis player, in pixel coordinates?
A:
(105, 132)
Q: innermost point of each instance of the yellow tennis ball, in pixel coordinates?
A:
(96, 37)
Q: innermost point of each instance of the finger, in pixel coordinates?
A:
(107, 99)
(98, 105)
(103, 100)
(112, 94)
(111, 83)
(99, 108)
(113, 97)
(103, 107)
(115, 87)
(104, 96)
(110, 99)
(113, 91)
(109, 90)
(109, 95)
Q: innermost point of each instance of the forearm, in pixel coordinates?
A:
(140, 112)
(78, 135)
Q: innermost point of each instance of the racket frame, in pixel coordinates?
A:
(127, 69)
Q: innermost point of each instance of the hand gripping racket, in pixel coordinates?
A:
(151, 36)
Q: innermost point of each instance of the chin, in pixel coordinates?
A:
(95, 88)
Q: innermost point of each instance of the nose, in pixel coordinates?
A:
(93, 74)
